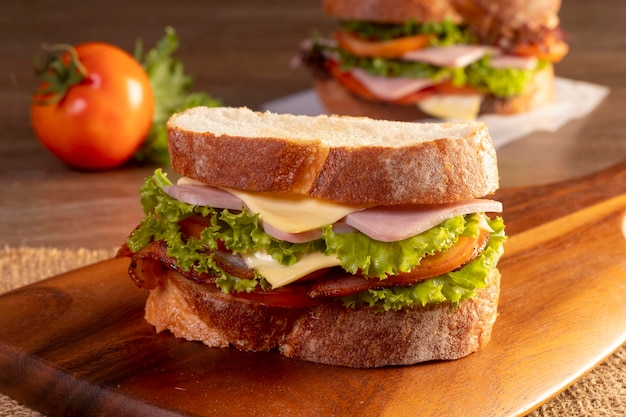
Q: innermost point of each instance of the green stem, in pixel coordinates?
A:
(59, 70)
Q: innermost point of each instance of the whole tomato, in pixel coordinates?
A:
(94, 107)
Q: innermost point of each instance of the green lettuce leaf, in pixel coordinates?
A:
(453, 287)
(444, 33)
(505, 82)
(240, 232)
(173, 93)
(373, 258)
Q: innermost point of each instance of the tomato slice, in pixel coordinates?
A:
(382, 49)
(464, 251)
(553, 50)
(342, 284)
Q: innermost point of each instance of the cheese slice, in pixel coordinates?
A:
(279, 275)
(452, 106)
(292, 213)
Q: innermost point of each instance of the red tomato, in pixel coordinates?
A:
(102, 120)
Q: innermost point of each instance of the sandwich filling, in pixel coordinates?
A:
(293, 251)
(420, 63)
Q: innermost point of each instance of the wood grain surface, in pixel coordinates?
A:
(77, 344)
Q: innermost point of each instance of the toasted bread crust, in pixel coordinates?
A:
(460, 163)
(500, 15)
(338, 100)
(328, 333)
(441, 172)
(391, 11)
(540, 91)
(507, 16)
(267, 164)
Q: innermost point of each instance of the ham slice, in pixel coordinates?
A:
(390, 224)
(391, 88)
(203, 195)
(457, 56)
(301, 237)
(386, 224)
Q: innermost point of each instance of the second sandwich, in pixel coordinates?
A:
(453, 59)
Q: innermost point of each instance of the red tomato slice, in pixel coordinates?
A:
(383, 49)
(464, 251)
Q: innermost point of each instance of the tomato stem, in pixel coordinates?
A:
(59, 71)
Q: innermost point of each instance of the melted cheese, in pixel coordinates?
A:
(279, 275)
(293, 213)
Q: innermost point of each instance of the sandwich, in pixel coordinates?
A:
(339, 240)
(450, 59)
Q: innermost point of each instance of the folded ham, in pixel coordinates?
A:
(386, 223)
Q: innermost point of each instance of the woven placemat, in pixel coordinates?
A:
(600, 393)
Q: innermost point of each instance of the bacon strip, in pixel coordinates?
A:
(151, 266)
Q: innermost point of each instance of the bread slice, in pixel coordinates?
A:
(541, 90)
(391, 11)
(327, 333)
(351, 160)
(506, 15)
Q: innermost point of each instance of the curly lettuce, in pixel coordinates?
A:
(173, 92)
(240, 232)
(443, 33)
(505, 82)
(453, 287)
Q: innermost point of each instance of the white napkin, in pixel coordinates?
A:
(574, 99)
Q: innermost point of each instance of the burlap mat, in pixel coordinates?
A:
(600, 393)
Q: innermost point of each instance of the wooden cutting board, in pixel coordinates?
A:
(76, 344)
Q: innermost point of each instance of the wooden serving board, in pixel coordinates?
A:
(77, 344)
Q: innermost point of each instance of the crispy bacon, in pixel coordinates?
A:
(151, 265)
(341, 284)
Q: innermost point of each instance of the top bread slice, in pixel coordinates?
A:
(509, 14)
(352, 160)
(392, 11)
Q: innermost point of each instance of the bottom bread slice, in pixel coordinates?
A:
(327, 333)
